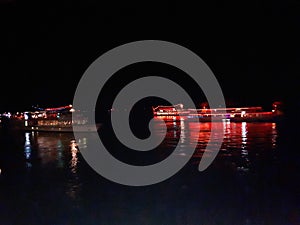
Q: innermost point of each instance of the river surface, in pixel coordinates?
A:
(254, 180)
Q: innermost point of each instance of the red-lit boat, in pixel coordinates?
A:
(233, 114)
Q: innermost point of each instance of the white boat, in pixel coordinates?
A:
(57, 119)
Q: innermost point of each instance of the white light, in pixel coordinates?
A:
(243, 113)
(244, 132)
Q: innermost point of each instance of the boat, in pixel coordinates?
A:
(206, 114)
(57, 119)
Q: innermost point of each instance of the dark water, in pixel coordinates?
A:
(254, 180)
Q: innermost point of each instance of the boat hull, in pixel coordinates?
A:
(12, 124)
(77, 128)
(273, 118)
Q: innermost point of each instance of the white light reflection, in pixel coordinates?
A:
(82, 143)
(174, 130)
(27, 149)
(27, 146)
(244, 151)
(226, 134)
(74, 160)
(182, 131)
(226, 128)
(244, 133)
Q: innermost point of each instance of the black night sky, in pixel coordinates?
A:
(252, 47)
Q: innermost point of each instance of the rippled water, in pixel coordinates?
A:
(253, 180)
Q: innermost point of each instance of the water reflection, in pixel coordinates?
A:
(60, 188)
(244, 148)
(244, 133)
(183, 132)
(57, 155)
(27, 150)
(74, 159)
(274, 135)
(243, 145)
(27, 146)
(74, 184)
(50, 149)
(55, 149)
(242, 142)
